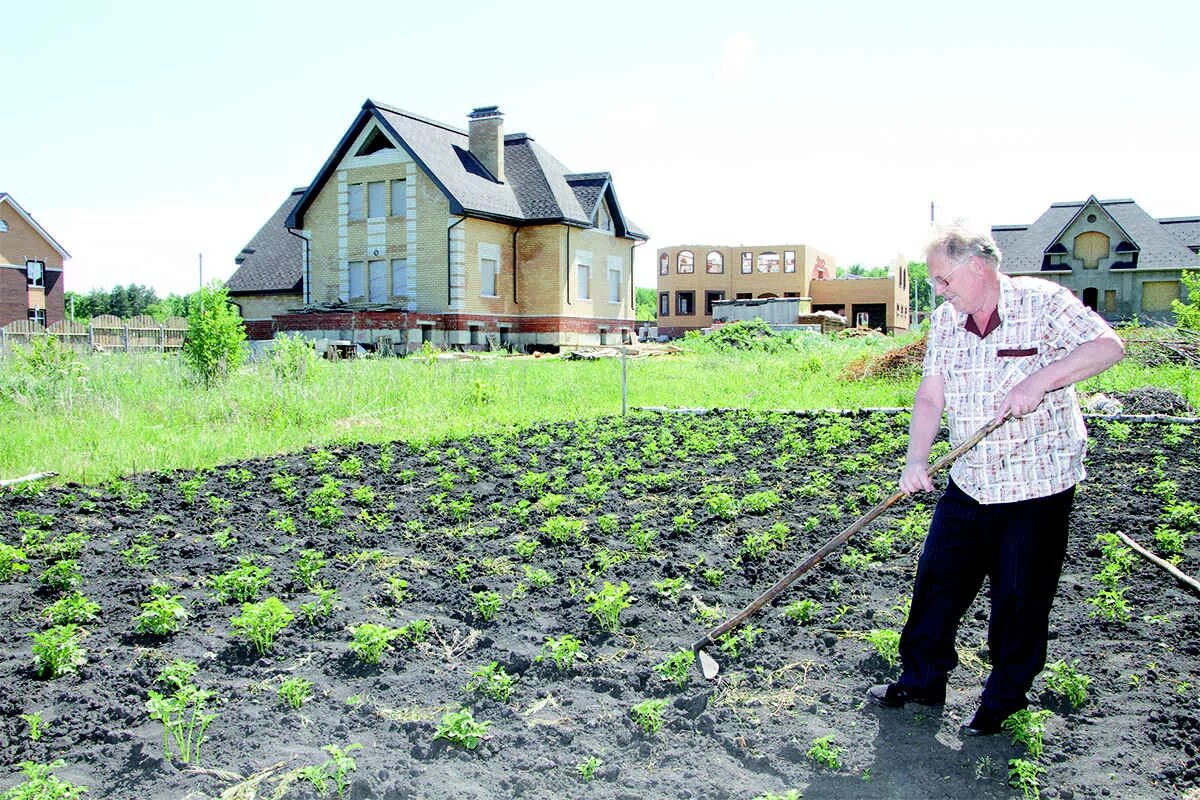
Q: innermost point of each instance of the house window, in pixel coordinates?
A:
(709, 299)
(476, 334)
(583, 274)
(747, 263)
(1110, 300)
(354, 201)
(626, 336)
(768, 261)
(357, 290)
(714, 263)
(603, 218)
(37, 315)
(664, 304)
(664, 264)
(35, 273)
(3, 226)
(489, 269)
(743, 296)
(789, 261)
(376, 195)
(426, 333)
(378, 273)
(505, 339)
(603, 336)
(685, 262)
(685, 303)
(399, 198)
(614, 281)
(399, 276)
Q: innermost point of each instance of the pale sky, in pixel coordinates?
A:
(143, 134)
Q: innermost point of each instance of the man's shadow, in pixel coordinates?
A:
(914, 762)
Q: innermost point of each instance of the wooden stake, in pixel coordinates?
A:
(1167, 565)
(37, 476)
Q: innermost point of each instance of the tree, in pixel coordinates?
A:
(647, 304)
(216, 339)
(1187, 315)
(918, 273)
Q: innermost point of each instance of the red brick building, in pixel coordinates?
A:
(31, 268)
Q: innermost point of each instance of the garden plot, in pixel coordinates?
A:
(510, 616)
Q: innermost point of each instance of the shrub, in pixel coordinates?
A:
(215, 344)
(293, 357)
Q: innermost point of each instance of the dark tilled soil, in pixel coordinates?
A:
(440, 524)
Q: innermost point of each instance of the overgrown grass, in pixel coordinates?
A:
(131, 413)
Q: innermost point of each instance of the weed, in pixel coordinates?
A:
(790, 794)
(487, 603)
(190, 488)
(321, 460)
(802, 611)
(242, 583)
(39, 784)
(1023, 775)
(683, 523)
(285, 484)
(1063, 679)
(461, 728)
(492, 680)
(370, 640)
(648, 715)
(886, 643)
(1028, 728)
(825, 752)
(57, 651)
(73, 607)
(141, 551)
(37, 725)
(352, 466)
(587, 768)
(322, 502)
(640, 537)
(538, 578)
(259, 623)
(415, 632)
(759, 544)
(162, 614)
(677, 667)
(295, 691)
(562, 650)
(335, 770)
(607, 524)
(607, 604)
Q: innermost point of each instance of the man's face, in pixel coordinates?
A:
(958, 282)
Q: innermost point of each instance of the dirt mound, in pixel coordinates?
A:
(1154, 400)
(898, 362)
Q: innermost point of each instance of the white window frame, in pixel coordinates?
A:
(398, 190)
(35, 272)
(356, 272)
(37, 315)
(583, 275)
(356, 202)
(377, 188)
(489, 252)
(377, 281)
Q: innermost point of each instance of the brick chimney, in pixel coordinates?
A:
(485, 138)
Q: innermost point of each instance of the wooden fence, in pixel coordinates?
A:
(141, 334)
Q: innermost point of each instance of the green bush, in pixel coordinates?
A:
(293, 358)
(215, 344)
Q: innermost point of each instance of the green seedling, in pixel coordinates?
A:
(308, 566)
(607, 524)
(62, 576)
(683, 524)
(1028, 728)
(713, 576)
(669, 589)
(370, 640)
(722, 505)
(760, 502)
(336, 770)
(12, 562)
(587, 769)
(734, 641)
(538, 578)
(242, 583)
(560, 530)
(677, 668)
(825, 752)
(181, 713)
(162, 614)
(321, 607)
(487, 603)
(802, 611)
(1063, 679)
(57, 651)
(562, 651)
(259, 623)
(461, 728)
(607, 604)
(1023, 775)
(525, 547)
(73, 607)
(415, 632)
(886, 643)
(1110, 605)
(790, 794)
(37, 725)
(39, 784)
(648, 715)
(492, 680)
(295, 691)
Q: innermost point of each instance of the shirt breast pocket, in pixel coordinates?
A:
(1017, 362)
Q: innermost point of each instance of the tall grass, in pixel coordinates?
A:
(131, 413)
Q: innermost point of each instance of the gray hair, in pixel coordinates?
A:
(957, 244)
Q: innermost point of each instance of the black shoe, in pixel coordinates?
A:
(984, 723)
(893, 695)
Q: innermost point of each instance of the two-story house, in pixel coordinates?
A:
(420, 232)
(1117, 258)
(31, 268)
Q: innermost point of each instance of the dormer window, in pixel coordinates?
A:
(3, 226)
(603, 220)
(35, 273)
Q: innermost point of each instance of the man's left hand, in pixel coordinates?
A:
(1024, 398)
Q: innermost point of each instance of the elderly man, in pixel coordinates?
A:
(999, 347)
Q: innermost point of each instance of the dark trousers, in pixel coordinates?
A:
(1020, 546)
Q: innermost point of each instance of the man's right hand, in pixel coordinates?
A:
(915, 478)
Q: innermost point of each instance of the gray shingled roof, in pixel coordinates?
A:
(1185, 229)
(273, 261)
(1022, 247)
(536, 188)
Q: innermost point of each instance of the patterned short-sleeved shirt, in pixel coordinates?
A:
(1042, 452)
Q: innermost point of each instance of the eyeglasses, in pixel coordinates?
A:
(942, 281)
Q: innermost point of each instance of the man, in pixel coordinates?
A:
(999, 347)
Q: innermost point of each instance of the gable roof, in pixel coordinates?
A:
(273, 261)
(7, 199)
(536, 189)
(1162, 242)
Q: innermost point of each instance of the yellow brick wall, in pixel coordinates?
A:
(260, 307)
(21, 242)
(433, 217)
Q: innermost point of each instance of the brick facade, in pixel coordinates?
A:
(20, 242)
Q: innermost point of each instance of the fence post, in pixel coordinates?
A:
(624, 383)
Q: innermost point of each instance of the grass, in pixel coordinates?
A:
(133, 413)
